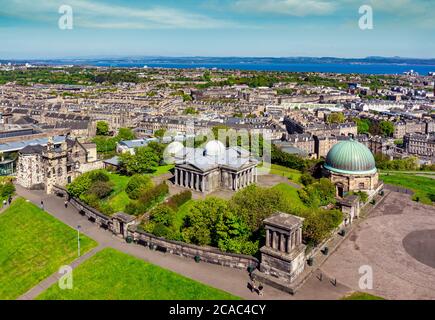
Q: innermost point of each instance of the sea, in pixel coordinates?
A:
(375, 66)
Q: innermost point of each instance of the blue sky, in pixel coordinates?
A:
(29, 28)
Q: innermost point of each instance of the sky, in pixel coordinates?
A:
(254, 28)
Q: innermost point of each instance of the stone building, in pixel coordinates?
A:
(420, 144)
(283, 255)
(214, 167)
(402, 128)
(302, 141)
(351, 167)
(42, 167)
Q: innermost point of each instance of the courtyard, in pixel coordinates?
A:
(397, 241)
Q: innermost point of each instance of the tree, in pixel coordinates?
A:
(137, 184)
(125, 134)
(320, 193)
(143, 161)
(79, 186)
(158, 149)
(363, 125)
(255, 204)
(336, 117)
(159, 133)
(7, 189)
(101, 189)
(386, 128)
(200, 223)
(102, 128)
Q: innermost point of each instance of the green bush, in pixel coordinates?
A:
(147, 199)
(79, 186)
(179, 199)
(83, 183)
(307, 179)
(138, 184)
(7, 189)
(98, 175)
(101, 189)
(150, 197)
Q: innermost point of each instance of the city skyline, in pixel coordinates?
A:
(272, 28)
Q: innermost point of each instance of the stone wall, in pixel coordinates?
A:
(206, 254)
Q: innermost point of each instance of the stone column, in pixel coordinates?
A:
(202, 184)
(282, 243)
(300, 236)
(293, 235)
(288, 244)
(197, 182)
(267, 238)
(274, 240)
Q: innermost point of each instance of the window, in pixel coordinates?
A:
(361, 185)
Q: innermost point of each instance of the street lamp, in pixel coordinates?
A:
(78, 240)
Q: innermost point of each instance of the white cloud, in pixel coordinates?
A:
(287, 7)
(99, 15)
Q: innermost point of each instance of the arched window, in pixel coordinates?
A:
(59, 172)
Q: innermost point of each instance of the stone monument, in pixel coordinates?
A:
(283, 256)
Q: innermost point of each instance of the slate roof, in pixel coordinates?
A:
(19, 145)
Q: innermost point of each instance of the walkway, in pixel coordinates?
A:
(230, 280)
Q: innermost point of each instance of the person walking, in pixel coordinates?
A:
(260, 290)
(10, 200)
(66, 204)
(254, 286)
(42, 205)
(4, 202)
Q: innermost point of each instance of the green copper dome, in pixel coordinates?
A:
(350, 157)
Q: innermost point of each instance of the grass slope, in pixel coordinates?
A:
(291, 195)
(33, 245)
(112, 275)
(422, 186)
(361, 296)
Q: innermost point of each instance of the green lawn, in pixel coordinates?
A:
(361, 296)
(291, 174)
(291, 195)
(112, 275)
(161, 170)
(33, 245)
(183, 210)
(119, 198)
(422, 186)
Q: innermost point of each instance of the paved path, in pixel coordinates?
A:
(380, 242)
(230, 280)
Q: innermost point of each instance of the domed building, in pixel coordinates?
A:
(214, 167)
(350, 165)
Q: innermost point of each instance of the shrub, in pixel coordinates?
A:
(90, 199)
(79, 186)
(150, 197)
(83, 183)
(163, 214)
(179, 199)
(7, 189)
(98, 175)
(307, 179)
(147, 199)
(101, 189)
(137, 184)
